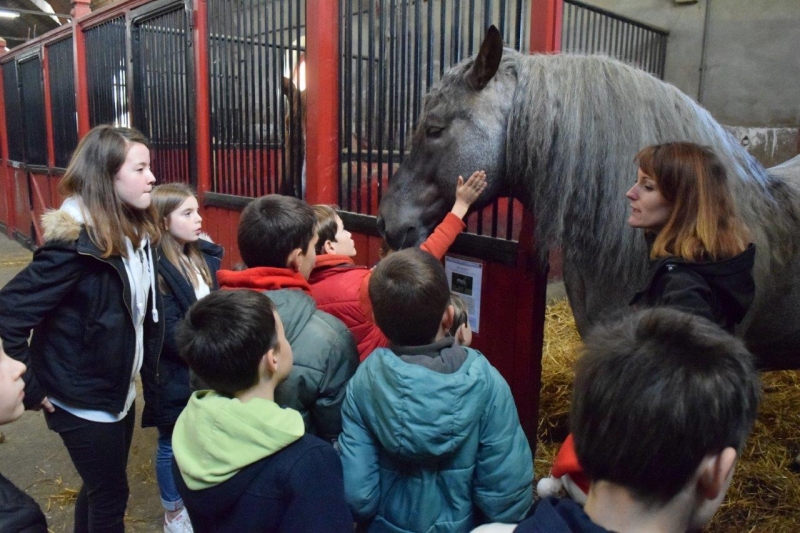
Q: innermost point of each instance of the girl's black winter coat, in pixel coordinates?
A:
(165, 377)
(78, 305)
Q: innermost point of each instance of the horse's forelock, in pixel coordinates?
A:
(575, 126)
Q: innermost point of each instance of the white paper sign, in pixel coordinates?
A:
(465, 277)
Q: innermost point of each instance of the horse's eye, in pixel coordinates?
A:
(433, 131)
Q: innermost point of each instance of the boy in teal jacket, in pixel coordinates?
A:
(430, 433)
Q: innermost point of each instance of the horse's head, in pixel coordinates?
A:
(462, 129)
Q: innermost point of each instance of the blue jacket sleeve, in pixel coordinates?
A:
(317, 495)
(503, 487)
(360, 456)
(27, 300)
(341, 365)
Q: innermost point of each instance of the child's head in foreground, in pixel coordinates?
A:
(662, 405)
(11, 387)
(410, 298)
(233, 340)
(278, 231)
(332, 237)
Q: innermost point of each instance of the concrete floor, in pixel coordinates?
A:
(35, 460)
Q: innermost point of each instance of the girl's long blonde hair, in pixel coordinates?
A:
(703, 225)
(187, 259)
(90, 175)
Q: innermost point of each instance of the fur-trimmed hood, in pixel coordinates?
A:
(63, 224)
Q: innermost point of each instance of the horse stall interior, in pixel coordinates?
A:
(314, 98)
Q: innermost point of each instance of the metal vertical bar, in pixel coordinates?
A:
(382, 89)
(429, 56)
(358, 106)
(520, 29)
(471, 28)
(417, 97)
(348, 99)
(279, 115)
(262, 185)
(274, 132)
(502, 21)
(442, 38)
(241, 98)
(251, 177)
(227, 60)
(370, 102)
(392, 84)
(403, 109)
(455, 42)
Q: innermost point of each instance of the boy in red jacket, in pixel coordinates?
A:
(339, 286)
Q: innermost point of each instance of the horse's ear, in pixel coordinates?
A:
(487, 61)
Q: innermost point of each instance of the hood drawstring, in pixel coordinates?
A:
(151, 271)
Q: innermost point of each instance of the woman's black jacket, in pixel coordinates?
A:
(78, 305)
(721, 291)
(165, 378)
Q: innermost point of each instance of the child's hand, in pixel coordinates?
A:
(467, 192)
(464, 335)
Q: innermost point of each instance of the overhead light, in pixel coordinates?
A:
(8, 14)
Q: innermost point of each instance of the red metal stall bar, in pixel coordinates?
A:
(545, 37)
(5, 180)
(322, 92)
(202, 97)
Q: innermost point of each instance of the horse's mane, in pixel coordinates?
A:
(575, 126)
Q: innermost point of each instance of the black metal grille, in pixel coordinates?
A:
(14, 120)
(392, 52)
(62, 95)
(106, 74)
(257, 136)
(592, 30)
(32, 99)
(163, 96)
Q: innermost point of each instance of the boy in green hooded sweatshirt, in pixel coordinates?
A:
(242, 462)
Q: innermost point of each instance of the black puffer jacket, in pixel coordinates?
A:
(165, 378)
(19, 513)
(721, 291)
(78, 305)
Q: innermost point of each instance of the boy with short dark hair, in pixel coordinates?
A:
(242, 462)
(662, 405)
(431, 439)
(276, 241)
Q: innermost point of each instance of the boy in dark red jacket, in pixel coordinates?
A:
(339, 286)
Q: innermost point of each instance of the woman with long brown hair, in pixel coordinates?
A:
(701, 259)
(90, 298)
(187, 266)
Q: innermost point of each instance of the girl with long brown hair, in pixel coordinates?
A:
(89, 295)
(187, 266)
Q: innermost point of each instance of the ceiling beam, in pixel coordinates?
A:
(46, 8)
(40, 13)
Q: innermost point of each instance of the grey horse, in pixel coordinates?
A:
(559, 133)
